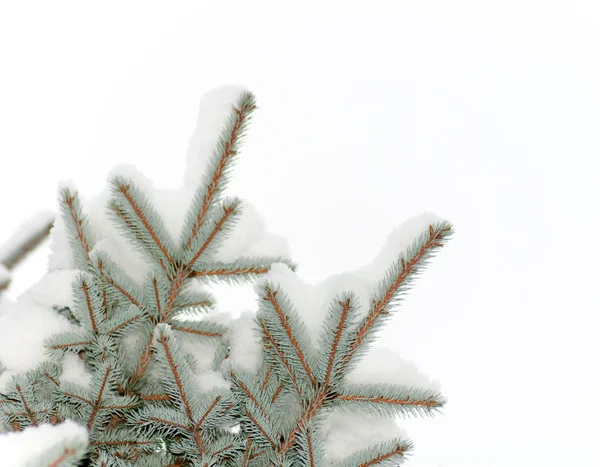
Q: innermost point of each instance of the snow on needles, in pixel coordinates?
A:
(347, 433)
(74, 371)
(382, 365)
(245, 348)
(26, 230)
(22, 448)
(248, 239)
(311, 302)
(213, 110)
(24, 327)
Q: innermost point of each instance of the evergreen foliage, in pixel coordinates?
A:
(26, 238)
(144, 406)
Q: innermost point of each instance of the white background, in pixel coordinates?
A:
(370, 112)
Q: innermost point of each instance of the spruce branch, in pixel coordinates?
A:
(310, 447)
(278, 315)
(27, 400)
(239, 272)
(388, 400)
(341, 336)
(255, 403)
(397, 281)
(389, 454)
(117, 288)
(61, 445)
(192, 417)
(148, 402)
(223, 220)
(199, 328)
(77, 226)
(276, 357)
(27, 237)
(340, 318)
(227, 147)
(140, 221)
(98, 403)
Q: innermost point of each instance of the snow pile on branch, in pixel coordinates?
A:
(347, 433)
(24, 326)
(213, 110)
(312, 300)
(248, 239)
(25, 238)
(58, 445)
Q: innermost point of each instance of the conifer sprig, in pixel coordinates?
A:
(321, 381)
(151, 403)
(397, 281)
(77, 226)
(216, 177)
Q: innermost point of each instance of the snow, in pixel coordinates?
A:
(209, 380)
(171, 205)
(106, 235)
(55, 289)
(312, 301)
(74, 371)
(20, 449)
(61, 256)
(31, 319)
(381, 365)
(245, 349)
(24, 327)
(249, 238)
(203, 352)
(5, 378)
(347, 433)
(213, 110)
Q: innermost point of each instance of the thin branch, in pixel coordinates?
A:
(88, 302)
(242, 114)
(206, 414)
(271, 297)
(224, 271)
(70, 344)
(261, 429)
(124, 189)
(227, 212)
(428, 403)
(311, 455)
(164, 341)
(240, 384)
(30, 414)
(196, 331)
(99, 399)
(311, 410)
(26, 239)
(67, 452)
(398, 450)
(336, 340)
(170, 423)
(69, 200)
(271, 340)
(378, 308)
(122, 325)
(112, 282)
